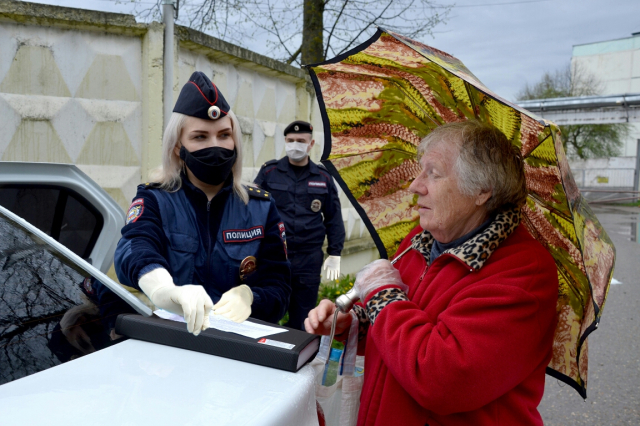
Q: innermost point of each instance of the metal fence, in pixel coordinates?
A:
(604, 178)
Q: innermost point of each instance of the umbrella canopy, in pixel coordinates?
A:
(380, 99)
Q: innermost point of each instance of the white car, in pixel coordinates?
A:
(61, 362)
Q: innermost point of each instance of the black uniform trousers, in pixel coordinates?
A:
(305, 281)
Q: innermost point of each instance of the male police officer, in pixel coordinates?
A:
(307, 200)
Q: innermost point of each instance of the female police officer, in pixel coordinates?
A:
(198, 236)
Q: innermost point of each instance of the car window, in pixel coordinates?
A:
(57, 211)
(51, 311)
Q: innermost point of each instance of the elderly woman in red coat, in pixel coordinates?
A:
(459, 331)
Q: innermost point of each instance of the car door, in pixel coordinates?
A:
(64, 203)
(58, 232)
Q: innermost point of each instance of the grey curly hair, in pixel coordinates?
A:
(487, 162)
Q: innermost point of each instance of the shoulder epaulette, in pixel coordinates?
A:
(258, 193)
(270, 162)
(150, 185)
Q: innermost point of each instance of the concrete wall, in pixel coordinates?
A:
(616, 63)
(86, 88)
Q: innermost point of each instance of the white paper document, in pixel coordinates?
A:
(246, 328)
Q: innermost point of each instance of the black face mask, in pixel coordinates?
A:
(210, 165)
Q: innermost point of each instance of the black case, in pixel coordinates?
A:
(215, 342)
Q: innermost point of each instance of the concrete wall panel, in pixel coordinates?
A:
(8, 49)
(74, 57)
(34, 71)
(73, 95)
(73, 123)
(108, 144)
(243, 104)
(36, 140)
(107, 79)
(10, 122)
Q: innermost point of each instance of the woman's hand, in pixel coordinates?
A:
(320, 319)
(377, 274)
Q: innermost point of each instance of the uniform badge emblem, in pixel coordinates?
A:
(247, 266)
(87, 285)
(213, 112)
(283, 236)
(135, 210)
(296, 127)
(316, 205)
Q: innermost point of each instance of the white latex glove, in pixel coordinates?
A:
(332, 266)
(235, 304)
(377, 274)
(191, 301)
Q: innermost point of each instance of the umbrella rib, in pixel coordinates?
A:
(417, 105)
(473, 102)
(373, 150)
(550, 208)
(559, 265)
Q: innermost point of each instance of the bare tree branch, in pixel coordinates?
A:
(294, 55)
(278, 26)
(328, 43)
(365, 28)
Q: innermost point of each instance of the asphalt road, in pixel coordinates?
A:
(613, 388)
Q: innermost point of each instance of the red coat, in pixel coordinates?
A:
(470, 346)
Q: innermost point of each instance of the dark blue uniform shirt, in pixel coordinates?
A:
(309, 205)
(145, 246)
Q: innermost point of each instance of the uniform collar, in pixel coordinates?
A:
(283, 166)
(191, 188)
(477, 250)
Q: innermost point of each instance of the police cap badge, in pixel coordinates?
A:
(201, 98)
(298, 127)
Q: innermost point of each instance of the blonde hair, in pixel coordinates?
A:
(168, 175)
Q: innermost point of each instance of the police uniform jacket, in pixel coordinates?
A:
(205, 242)
(305, 220)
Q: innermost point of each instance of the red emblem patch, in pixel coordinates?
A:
(283, 236)
(135, 210)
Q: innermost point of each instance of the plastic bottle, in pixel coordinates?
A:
(331, 370)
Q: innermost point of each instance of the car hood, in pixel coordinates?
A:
(135, 382)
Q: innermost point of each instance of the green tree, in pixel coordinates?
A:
(303, 31)
(584, 140)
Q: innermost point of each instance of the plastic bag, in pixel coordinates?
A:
(340, 402)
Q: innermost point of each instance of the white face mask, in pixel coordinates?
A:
(296, 151)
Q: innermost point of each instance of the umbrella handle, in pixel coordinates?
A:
(345, 302)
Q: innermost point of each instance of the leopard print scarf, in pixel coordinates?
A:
(477, 250)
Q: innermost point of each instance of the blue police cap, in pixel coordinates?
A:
(298, 127)
(201, 98)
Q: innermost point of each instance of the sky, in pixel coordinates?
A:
(505, 43)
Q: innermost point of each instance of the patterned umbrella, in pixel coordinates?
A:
(381, 98)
